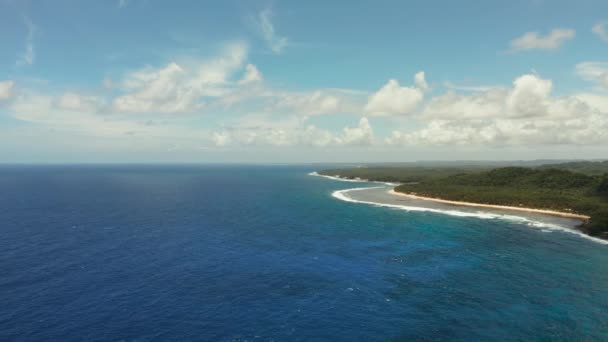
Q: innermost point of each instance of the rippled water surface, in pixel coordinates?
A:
(267, 253)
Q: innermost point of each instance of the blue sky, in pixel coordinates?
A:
(289, 81)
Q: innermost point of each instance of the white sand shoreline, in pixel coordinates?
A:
(467, 204)
(493, 206)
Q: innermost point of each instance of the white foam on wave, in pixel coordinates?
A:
(337, 178)
(357, 180)
(545, 227)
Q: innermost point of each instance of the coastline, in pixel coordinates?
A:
(494, 206)
(529, 216)
(380, 196)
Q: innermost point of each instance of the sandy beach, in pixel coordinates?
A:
(492, 206)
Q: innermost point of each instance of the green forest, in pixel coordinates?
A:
(580, 187)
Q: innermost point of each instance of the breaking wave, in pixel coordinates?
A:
(545, 227)
(356, 180)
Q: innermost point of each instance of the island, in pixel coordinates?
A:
(577, 189)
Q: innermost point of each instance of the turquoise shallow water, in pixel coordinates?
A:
(267, 253)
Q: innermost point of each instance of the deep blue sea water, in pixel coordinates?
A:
(259, 253)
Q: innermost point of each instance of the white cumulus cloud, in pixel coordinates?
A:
(527, 114)
(182, 88)
(221, 139)
(420, 81)
(594, 72)
(252, 75)
(393, 99)
(361, 135)
(78, 102)
(310, 103)
(294, 131)
(6, 89)
(601, 31)
(536, 41)
(529, 96)
(452, 105)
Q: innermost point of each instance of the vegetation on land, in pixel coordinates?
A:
(399, 174)
(588, 168)
(580, 188)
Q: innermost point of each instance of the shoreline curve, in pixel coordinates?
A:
(493, 206)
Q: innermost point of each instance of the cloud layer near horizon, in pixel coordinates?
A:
(164, 102)
(227, 99)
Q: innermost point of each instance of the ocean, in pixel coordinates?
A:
(271, 253)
